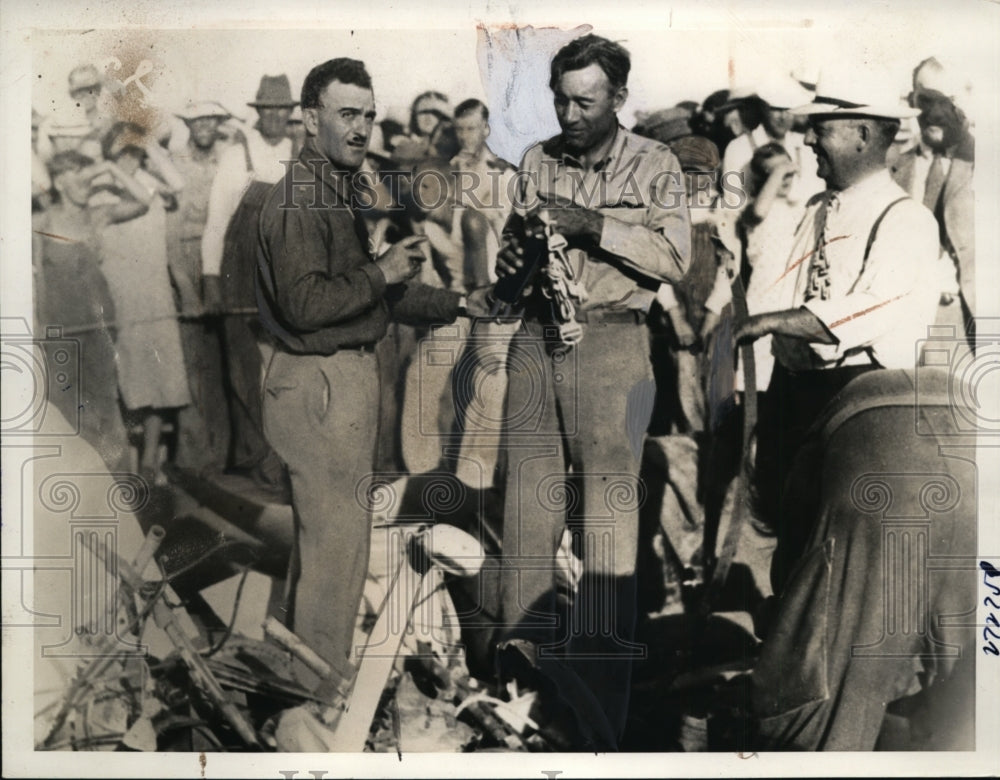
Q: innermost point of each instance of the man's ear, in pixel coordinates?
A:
(619, 98)
(310, 120)
(864, 135)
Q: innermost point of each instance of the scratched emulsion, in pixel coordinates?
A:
(131, 67)
(514, 67)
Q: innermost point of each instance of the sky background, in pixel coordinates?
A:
(680, 52)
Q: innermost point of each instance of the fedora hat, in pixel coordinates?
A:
(203, 109)
(846, 94)
(274, 92)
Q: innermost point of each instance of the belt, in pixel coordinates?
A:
(608, 316)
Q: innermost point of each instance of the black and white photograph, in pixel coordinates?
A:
(611, 390)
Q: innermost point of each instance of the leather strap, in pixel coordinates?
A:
(741, 505)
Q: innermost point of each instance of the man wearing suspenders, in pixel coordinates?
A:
(860, 288)
(859, 279)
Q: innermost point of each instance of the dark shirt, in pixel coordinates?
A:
(318, 287)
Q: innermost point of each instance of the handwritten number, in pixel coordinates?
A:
(990, 585)
(990, 571)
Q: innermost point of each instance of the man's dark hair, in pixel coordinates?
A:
(611, 57)
(342, 69)
(466, 107)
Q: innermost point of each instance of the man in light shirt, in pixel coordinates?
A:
(619, 201)
(228, 250)
(860, 297)
(938, 171)
(858, 281)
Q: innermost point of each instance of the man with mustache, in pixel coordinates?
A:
(938, 171)
(326, 300)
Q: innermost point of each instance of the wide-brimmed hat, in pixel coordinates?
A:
(274, 92)
(846, 94)
(70, 121)
(783, 92)
(203, 109)
(84, 77)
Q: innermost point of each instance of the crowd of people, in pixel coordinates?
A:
(274, 295)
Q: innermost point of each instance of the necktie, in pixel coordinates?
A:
(935, 183)
(818, 285)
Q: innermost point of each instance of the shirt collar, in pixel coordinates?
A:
(556, 148)
(866, 188)
(323, 170)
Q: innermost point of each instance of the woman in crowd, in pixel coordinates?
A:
(151, 376)
(72, 292)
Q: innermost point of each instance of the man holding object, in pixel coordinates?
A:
(576, 415)
(327, 301)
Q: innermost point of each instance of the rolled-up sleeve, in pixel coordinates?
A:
(305, 252)
(660, 244)
(892, 290)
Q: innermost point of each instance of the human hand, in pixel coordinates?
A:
(571, 219)
(402, 260)
(510, 258)
(479, 303)
(686, 337)
(708, 326)
(784, 167)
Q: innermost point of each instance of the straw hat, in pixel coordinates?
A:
(845, 93)
(203, 109)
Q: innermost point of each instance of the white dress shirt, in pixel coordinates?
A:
(877, 309)
(231, 181)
